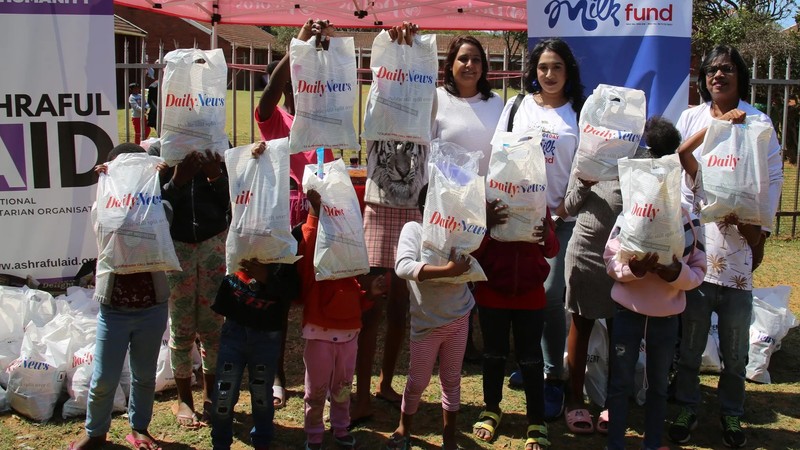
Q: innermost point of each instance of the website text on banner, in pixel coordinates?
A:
(57, 121)
(641, 44)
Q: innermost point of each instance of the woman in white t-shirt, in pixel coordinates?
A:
(554, 100)
(467, 112)
(467, 109)
(733, 252)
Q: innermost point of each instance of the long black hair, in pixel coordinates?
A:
(449, 81)
(742, 75)
(573, 89)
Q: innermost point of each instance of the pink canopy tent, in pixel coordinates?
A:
(428, 14)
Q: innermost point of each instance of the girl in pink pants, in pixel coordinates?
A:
(331, 323)
(439, 328)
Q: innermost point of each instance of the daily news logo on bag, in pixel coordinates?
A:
(401, 96)
(193, 105)
(324, 86)
(517, 176)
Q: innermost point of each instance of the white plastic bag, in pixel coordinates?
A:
(611, 125)
(735, 174)
(324, 84)
(79, 377)
(596, 382)
(651, 208)
(12, 312)
(259, 191)
(517, 176)
(340, 250)
(455, 209)
(131, 226)
(193, 103)
(711, 361)
(771, 322)
(9, 352)
(3, 400)
(37, 376)
(78, 302)
(403, 89)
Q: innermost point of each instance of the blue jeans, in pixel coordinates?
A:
(629, 329)
(258, 350)
(554, 333)
(734, 307)
(117, 331)
(496, 324)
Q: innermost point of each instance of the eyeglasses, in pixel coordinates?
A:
(724, 68)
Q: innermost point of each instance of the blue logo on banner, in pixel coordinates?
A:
(590, 11)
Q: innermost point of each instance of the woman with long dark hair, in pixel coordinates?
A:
(553, 102)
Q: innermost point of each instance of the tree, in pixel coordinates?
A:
(283, 36)
(773, 10)
(749, 25)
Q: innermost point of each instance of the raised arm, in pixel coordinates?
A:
(281, 76)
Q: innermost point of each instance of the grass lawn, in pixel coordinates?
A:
(772, 419)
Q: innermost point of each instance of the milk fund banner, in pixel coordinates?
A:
(641, 44)
(57, 120)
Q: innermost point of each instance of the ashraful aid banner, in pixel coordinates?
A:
(641, 44)
(57, 121)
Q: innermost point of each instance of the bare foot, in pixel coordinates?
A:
(489, 432)
(88, 443)
(185, 416)
(141, 440)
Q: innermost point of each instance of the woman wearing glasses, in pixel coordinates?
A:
(723, 82)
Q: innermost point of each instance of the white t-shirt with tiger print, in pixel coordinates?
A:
(396, 172)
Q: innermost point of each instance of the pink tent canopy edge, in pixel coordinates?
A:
(508, 15)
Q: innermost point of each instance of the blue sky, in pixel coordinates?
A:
(789, 21)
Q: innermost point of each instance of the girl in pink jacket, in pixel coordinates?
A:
(650, 296)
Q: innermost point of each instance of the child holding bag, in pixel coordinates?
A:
(133, 316)
(649, 295)
(513, 298)
(439, 329)
(331, 323)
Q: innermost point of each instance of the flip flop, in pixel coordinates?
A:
(141, 444)
(582, 416)
(482, 425)
(602, 422)
(188, 421)
(279, 394)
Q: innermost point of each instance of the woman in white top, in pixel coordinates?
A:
(467, 110)
(554, 100)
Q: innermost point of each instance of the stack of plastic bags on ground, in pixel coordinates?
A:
(47, 353)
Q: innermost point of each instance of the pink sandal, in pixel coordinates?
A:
(602, 422)
(140, 444)
(579, 416)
